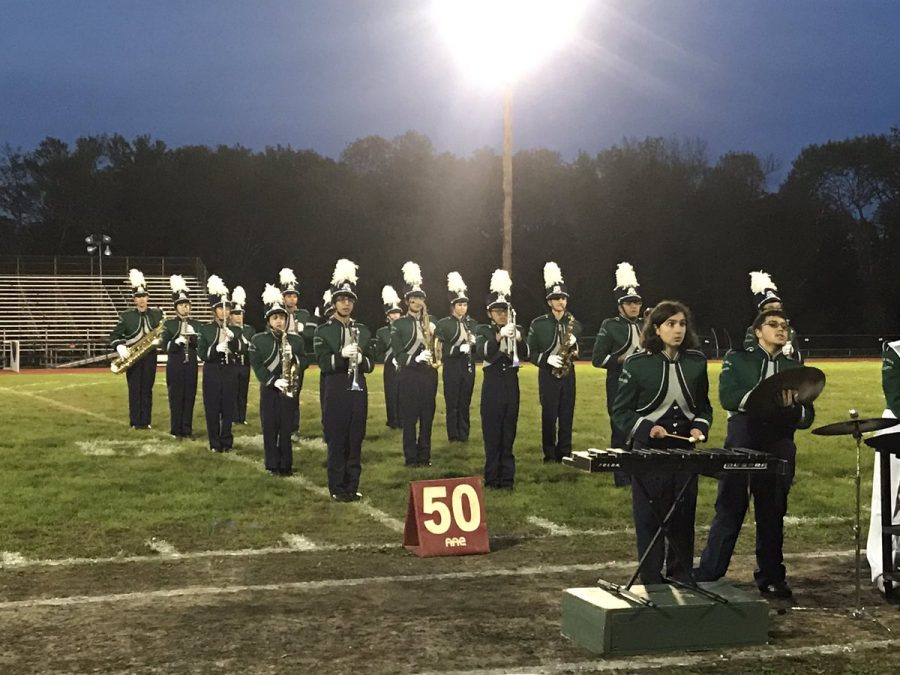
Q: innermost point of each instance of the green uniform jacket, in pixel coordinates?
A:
(303, 324)
(750, 340)
(405, 343)
(742, 372)
(645, 392)
(493, 352)
(247, 332)
(383, 350)
(330, 340)
(133, 325)
(890, 376)
(209, 338)
(544, 335)
(265, 355)
(173, 330)
(615, 338)
(450, 331)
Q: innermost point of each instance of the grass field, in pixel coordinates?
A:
(156, 517)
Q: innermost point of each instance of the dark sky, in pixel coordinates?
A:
(768, 76)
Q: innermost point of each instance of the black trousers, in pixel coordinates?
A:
(770, 498)
(459, 381)
(141, 377)
(276, 414)
(557, 396)
(499, 420)
(418, 388)
(219, 396)
(240, 413)
(652, 495)
(181, 382)
(345, 427)
(322, 406)
(617, 438)
(392, 394)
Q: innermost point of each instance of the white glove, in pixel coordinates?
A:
(360, 357)
(508, 331)
(350, 351)
(122, 351)
(229, 335)
(572, 340)
(554, 361)
(464, 348)
(222, 348)
(181, 340)
(281, 384)
(424, 356)
(788, 349)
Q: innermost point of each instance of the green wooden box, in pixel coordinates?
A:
(683, 619)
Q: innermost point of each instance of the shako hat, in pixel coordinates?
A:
(763, 289)
(412, 280)
(238, 300)
(343, 281)
(217, 292)
(554, 285)
(288, 281)
(501, 289)
(390, 300)
(627, 288)
(456, 288)
(180, 291)
(273, 301)
(138, 283)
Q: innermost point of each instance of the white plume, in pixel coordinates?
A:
(412, 274)
(286, 276)
(239, 296)
(344, 270)
(760, 282)
(326, 297)
(215, 285)
(552, 274)
(625, 276)
(389, 296)
(455, 283)
(271, 295)
(177, 283)
(136, 278)
(501, 283)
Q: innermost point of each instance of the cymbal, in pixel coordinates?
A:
(764, 402)
(851, 427)
(885, 442)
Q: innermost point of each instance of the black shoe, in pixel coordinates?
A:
(549, 460)
(342, 497)
(412, 465)
(286, 472)
(227, 449)
(355, 497)
(780, 589)
(273, 472)
(214, 450)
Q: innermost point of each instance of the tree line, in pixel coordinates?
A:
(693, 228)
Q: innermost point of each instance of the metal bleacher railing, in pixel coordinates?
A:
(60, 311)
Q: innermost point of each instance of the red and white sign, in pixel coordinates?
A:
(446, 517)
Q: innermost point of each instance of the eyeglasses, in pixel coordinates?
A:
(777, 325)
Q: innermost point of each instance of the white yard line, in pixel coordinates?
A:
(61, 406)
(713, 657)
(299, 543)
(301, 586)
(557, 530)
(162, 547)
(67, 386)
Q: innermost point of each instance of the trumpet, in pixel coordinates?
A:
(353, 366)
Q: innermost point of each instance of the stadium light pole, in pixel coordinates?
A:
(497, 42)
(99, 244)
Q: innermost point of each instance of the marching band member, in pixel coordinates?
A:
(502, 348)
(890, 384)
(133, 325)
(242, 360)
(344, 354)
(619, 337)
(218, 347)
(179, 340)
(268, 359)
(553, 346)
(299, 322)
(742, 371)
(323, 316)
(385, 354)
(664, 391)
(457, 335)
(417, 378)
(765, 297)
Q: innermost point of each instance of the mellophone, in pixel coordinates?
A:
(694, 460)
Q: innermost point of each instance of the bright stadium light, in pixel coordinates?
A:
(496, 43)
(99, 244)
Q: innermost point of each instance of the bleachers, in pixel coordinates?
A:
(60, 319)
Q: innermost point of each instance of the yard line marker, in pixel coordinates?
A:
(301, 586)
(161, 546)
(634, 663)
(61, 406)
(299, 543)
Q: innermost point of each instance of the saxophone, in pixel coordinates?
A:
(566, 351)
(288, 367)
(139, 349)
(432, 341)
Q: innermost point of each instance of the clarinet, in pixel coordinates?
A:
(353, 366)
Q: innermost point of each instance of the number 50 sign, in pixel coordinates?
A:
(446, 517)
